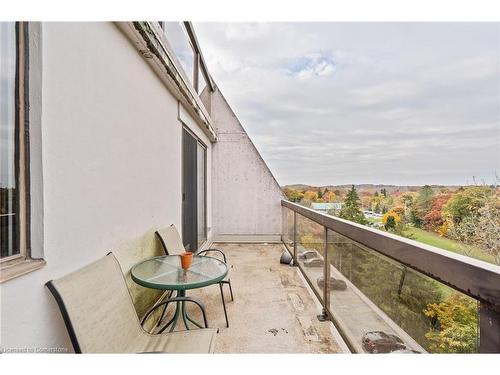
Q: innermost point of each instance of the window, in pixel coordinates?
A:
(182, 40)
(10, 179)
(179, 40)
(16, 256)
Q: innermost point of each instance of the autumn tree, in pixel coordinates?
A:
(293, 195)
(399, 210)
(390, 220)
(466, 202)
(433, 220)
(376, 203)
(329, 196)
(422, 205)
(309, 196)
(351, 209)
(407, 199)
(454, 325)
(480, 229)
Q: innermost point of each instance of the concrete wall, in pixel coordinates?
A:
(246, 196)
(111, 167)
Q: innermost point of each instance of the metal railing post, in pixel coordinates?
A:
(326, 270)
(295, 238)
(489, 329)
(326, 277)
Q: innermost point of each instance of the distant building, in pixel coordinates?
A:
(372, 214)
(325, 207)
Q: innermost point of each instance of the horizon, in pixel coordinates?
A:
(395, 185)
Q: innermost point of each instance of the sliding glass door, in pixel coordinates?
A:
(194, 225)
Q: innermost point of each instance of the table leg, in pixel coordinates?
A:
(175, 318)
(180, 311)
(185, 316)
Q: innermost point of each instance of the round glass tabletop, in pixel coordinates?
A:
(165, 272)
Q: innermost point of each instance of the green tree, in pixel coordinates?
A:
(422, 205)
(320, 193)
(351, 209)
(466, 202)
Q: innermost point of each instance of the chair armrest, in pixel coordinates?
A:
(215, 250)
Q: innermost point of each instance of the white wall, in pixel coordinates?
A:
(111, 166)
(246, 196)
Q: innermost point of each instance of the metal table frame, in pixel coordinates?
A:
(181, 299)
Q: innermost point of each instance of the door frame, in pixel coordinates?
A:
(205, 161)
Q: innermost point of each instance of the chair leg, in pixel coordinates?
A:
(223, 303)
(231, 289)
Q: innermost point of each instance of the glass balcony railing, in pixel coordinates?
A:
(387, 294)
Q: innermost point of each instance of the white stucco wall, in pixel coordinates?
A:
(111, 166)
(246, 196)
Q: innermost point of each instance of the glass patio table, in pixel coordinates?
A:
(165, 273)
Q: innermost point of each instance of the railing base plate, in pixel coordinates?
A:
(323, 317)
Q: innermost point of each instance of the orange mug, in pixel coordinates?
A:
(186, 260)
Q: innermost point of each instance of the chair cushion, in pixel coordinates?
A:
(170, 240)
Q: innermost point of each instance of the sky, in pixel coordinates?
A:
(341, 103)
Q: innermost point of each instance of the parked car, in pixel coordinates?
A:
(308, 254)
(334, 284)
(381, 342)
(314, 262)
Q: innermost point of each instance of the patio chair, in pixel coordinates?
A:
(100, 317)
(171, 242)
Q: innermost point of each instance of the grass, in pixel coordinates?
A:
(436, 240)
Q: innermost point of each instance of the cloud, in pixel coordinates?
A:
(313, 65)
(335, 103)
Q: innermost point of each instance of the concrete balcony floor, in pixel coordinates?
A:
(273, 311)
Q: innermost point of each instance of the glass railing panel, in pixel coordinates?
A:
(382, 306)
(310, 251)
(287, 228)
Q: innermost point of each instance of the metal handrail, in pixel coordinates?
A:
(475, 278)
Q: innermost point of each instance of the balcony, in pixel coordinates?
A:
(383, 283)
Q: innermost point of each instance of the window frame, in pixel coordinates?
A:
(19, 154)
(24, 262)
(199, 142)
(205, 186)
(199, 64)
